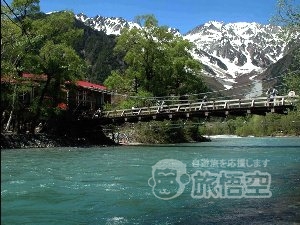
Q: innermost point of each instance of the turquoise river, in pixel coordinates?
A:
(225, 181)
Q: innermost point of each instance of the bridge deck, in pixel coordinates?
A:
(220, 108)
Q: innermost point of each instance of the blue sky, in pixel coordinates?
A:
(182, 14)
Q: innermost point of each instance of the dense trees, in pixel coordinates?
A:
(55, 55)
(288, 16)
(158, 63)
(96, 47)
(41, 44)
(255, 125)
(157, 132)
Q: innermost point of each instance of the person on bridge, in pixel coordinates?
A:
(274, 92)
(271, 93)
(160, 105)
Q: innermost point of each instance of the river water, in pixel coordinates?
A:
(226, 181)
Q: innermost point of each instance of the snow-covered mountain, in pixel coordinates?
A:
(109, 25)
(231, 50)
(233, 54)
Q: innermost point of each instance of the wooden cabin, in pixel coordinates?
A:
(85, 98)
(78, 98)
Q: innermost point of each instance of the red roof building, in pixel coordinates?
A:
(35, 77)
(88, 85)
(80, 96)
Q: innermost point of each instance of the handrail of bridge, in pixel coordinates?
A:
(204, 106)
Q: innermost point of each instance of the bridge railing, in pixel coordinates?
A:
(204, 106)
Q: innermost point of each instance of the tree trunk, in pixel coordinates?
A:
(12, 109)
(36, 118)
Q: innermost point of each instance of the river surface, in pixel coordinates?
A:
(226, 181)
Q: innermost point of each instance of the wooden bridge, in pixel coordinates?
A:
(218, 108)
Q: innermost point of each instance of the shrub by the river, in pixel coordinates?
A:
(269, 125)
(160, 132)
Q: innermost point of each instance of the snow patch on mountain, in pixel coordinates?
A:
(109, 25)
(231, 50)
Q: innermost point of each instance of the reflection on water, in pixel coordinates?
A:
(110, 185)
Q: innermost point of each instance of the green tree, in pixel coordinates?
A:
(96, 47)
(157, 61)
(55, 56)
(24, 8)
(292, 77)
(288, 16)
(14, 45)
(43, 44)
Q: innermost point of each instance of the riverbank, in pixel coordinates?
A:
(44, 140)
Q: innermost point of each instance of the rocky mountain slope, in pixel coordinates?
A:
(235, 49)
(233, 54)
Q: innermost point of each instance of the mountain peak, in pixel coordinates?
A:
(215, 24)
(229, 51)
(110, 25)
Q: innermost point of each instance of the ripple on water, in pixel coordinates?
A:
(92, 186)
(116, 221)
